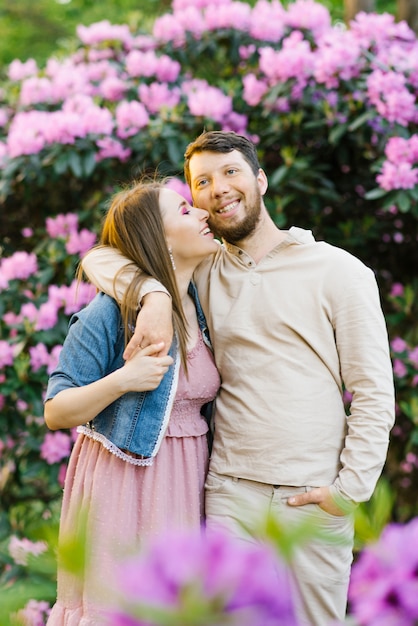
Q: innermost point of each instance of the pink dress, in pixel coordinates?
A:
(127, 503)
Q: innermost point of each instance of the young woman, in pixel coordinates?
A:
(139, 463)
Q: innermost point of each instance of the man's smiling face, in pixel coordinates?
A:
(225, 185)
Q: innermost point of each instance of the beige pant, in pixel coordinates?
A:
(320, 567)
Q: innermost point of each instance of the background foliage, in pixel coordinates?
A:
(22, 21)
(334, 115)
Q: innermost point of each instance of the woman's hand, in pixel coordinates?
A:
(78, 405)
(145, 368)
(154, 324)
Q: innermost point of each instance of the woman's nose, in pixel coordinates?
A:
(203, 215)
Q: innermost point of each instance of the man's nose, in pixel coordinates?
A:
(219, 186)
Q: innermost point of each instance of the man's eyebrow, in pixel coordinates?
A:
(234, 164)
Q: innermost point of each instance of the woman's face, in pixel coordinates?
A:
(186, 230)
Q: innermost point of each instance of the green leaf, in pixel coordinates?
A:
(278, 175)
(362, 119)
(403, 201)
(336, 133)
(375, 194)
(371, 517)
(89, 163)
(75, 163)
(60, 164)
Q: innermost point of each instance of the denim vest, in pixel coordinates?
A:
(137, 421)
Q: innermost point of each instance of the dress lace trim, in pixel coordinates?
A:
(132, 459)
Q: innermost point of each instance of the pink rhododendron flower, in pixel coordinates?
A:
(143, 42)
(76, 296)
(4, 116)
(28, 311)
(167, 70)
(387, 91)
(20, 265)
(47, 316)
(235, 122)
(19, 70)
(98, 71)
(35, 613)
(11, 319)
(130, 118)
(4, 283)
(53, 359)
(399, 149)
(113, 88)
(149, 64)
(413, 356)
(167, 28)
(31, 131)
(61, 225)
(294, 60)
(6, 354)
(21, 405)
(398, 344)
(192, 21)
(254, 89)
(104, 31)
(158, 96)
(380, 28)
(199, 4)
(26, 133)
(112, 149)
(80, 242)
(338, 58)
(36, 89)
(206, 101)
(397, 290)
(401, 176)
(55, 447)
(182, 188)
(19, 549)
(235, 15)
(308, 14)
(39, 356)
(399, 368)
(268, 21)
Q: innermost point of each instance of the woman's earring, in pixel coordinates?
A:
(170, 252)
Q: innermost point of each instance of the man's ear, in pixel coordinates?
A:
(262, 181)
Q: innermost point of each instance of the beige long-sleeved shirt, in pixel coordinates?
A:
(289, 333)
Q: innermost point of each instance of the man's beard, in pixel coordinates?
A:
(234, 233)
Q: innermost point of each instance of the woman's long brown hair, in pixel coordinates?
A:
(134, 226)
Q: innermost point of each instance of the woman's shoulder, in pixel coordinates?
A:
(101, 307)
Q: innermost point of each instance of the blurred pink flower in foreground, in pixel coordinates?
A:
(229, 581)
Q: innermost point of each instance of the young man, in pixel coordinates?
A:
(293, 323)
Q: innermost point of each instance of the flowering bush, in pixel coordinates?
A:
(333, 112)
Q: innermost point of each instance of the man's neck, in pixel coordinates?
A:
(265, 237)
